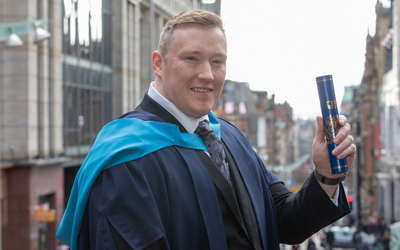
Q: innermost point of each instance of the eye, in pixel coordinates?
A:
(219, 61)
(191, 58)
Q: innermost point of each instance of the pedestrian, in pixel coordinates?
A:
(378, 245)
(386, 239)
(382, 226)
(171, 175)
(357, 239)
(330, 239)
(311, 244)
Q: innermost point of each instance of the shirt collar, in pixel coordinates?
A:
(188, 122)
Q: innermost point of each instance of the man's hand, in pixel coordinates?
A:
(344, 148)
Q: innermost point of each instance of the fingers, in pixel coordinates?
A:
(350, 151)
(344, 130)
(344, 140)
(342, 120)
(345, 148)
(320, 132)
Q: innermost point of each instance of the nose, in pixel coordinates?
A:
(206, 73)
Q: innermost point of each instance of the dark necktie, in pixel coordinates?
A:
(215, 148)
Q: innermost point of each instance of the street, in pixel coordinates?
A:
(316, 239)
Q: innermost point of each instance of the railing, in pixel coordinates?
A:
(292, 166)
(19, 28)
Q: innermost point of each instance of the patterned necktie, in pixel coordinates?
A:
(214, 146)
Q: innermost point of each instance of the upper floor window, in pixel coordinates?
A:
(84, 24)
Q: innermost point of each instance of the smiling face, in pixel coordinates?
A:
(192, 74)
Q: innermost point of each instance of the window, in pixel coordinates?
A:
(87, 75)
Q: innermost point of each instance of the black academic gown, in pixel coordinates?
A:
(157, 199)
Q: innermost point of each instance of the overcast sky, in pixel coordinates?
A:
(281, 46)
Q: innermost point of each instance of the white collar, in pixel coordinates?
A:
(188, 122)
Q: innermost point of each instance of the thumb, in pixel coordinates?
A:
(320, 132)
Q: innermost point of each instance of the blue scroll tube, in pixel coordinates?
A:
(330, 116)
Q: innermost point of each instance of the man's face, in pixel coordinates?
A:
(193, 74)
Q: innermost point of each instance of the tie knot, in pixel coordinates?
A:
(203, 128)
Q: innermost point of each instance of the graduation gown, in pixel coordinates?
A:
(168, 195)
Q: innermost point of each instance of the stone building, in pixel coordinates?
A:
(254, 113)
(347, 110)
(238, 105)
(268, 126)
(367, 115)
(374, 115)
(388, 164)
(56, 95)
(284, 121)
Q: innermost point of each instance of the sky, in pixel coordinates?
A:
(281, 47)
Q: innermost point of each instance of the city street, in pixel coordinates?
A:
(316, 239)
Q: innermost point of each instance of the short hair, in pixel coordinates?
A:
(204, 18)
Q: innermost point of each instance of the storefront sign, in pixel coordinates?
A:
(45, 215)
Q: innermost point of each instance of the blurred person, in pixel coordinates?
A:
(381, 226)
(357, 239)
(378, 245)
(311, 244)
(369, 226)
(350, 220)
(330, 239)
(171, 175)
(386, 239)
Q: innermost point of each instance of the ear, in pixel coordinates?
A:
(156, 61)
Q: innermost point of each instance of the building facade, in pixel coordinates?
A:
(373, 111)
(56, 95)
(389, 162)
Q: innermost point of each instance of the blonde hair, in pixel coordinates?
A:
(201, 17)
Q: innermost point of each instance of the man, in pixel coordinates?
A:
(159, 179)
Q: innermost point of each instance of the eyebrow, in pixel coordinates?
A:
(199, 52)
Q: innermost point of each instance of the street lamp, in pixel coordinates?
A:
(13, 40)
(41, 34)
